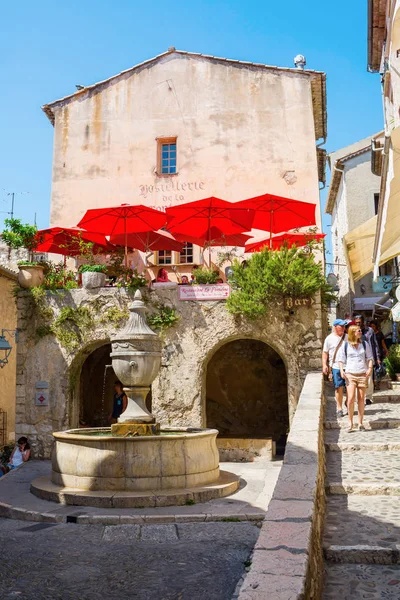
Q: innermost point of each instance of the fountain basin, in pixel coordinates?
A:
(94, 468)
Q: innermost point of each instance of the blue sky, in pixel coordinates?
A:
(48, 47)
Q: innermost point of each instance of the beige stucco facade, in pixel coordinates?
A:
(241, 130)
(8, 311)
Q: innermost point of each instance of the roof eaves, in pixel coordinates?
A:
(334, 186)
(48, 108)
(376, 34)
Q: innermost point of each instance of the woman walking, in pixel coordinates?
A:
(355, 361)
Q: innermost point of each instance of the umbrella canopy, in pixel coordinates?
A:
(209, 219)
(277, 214)
(123, 219)
(217, 239)
(297, 239)
(148, 241)
(65, 241)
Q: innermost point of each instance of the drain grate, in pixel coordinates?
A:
(38, 527)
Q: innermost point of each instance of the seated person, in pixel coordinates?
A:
(162, 276)
(19, 455)
(184, 280)
(219, 281)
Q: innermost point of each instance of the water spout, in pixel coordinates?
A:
(103, 416)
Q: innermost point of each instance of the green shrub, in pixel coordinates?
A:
(93, 269)
(204, 275)
(164, 318)
(392, 361)
(20, 235)
(270, 276)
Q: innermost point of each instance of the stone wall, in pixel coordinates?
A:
(287, 561)
(179, 392)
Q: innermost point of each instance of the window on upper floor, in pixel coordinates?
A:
(166, 156)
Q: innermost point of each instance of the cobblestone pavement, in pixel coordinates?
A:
(187, 561)
(362, 525)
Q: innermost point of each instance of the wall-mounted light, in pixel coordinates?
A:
(5, 346)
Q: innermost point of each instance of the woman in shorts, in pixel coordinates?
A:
(355, 361)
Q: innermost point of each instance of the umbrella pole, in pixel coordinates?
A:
(270, 229)
(126, 244)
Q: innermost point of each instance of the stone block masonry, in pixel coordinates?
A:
(287, 561)
(85, 320)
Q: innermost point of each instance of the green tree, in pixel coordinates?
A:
(271, 276)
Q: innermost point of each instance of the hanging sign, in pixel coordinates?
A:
(218, 291)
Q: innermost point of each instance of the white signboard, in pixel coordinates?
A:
(219, 291)
(42, 398)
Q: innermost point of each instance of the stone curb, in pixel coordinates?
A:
(287, 560)
(363, 555)
(363, 489)
(349, 447)
(383, 424)
(9, 512)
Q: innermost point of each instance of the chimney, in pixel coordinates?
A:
(300, 62)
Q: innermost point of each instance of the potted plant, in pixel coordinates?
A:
(205, 275)
(22, 235)
(392, 362)
(93, 276)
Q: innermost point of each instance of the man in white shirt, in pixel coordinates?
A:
(330, 357)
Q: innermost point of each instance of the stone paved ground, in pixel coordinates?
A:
(362, 526)
(187, 561)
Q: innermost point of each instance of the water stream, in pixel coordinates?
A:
(103, 416)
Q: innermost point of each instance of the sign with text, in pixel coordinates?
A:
(219, 291)
(42, 399)
(290, 303)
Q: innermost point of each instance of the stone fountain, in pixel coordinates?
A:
(135, 463)
(136, 360)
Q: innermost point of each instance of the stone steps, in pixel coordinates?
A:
(339, 440)
(356, 582)
(361, 541)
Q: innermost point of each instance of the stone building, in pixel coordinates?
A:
(8, 320)
(179, 127)
(352, 201)
(184, 126)
(242, 377)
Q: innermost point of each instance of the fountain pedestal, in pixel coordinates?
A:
(136, 360)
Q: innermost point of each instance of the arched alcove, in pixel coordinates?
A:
(246, 391)
(96, 388)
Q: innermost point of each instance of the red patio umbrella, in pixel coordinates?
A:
(217, 239)
(277, 214)
(197, 219)
(123, 219)
(65, 241)
(148, 241)
(297, 239)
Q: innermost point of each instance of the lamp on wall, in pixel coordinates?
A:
(5, 346)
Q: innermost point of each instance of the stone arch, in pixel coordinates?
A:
(77, 370)
(246, 389)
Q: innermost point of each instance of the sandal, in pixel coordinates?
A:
(361, 427)
(350, 429)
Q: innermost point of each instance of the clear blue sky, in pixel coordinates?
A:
(48, 47)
